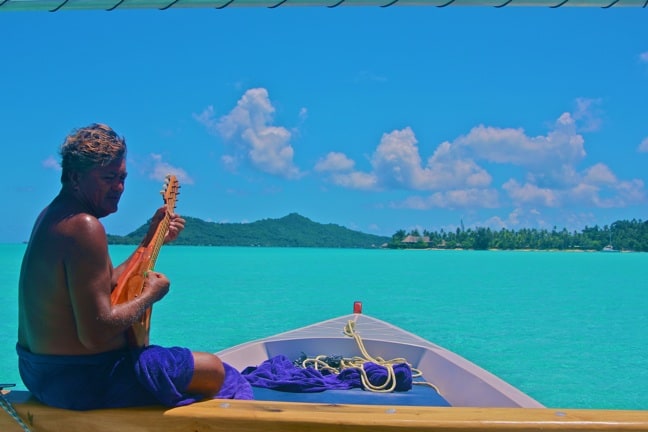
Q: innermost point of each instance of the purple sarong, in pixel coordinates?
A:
(124, 378)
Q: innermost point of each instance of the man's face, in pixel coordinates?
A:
(101, 187)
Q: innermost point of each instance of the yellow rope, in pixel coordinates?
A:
(358, 362)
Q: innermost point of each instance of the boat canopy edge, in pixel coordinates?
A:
(111, 5)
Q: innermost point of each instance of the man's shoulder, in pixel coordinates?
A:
(66, 224)
(82, 225)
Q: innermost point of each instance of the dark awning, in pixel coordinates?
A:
(61, 5)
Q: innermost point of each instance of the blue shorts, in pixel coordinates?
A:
(131, 377)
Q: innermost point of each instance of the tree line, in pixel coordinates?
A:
(621, 235)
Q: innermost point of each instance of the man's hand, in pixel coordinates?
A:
(156, 285)
(176, 225)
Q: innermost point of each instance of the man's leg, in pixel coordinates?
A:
(208, 376)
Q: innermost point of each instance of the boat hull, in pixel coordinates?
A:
(489, 404)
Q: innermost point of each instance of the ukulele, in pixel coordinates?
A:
(131, 282)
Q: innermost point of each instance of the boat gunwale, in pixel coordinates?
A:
(232, 415)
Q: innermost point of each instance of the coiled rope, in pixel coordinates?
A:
(337, 364)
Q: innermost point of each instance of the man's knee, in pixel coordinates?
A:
(208, 376)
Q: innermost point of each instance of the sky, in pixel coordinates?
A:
(376, 119)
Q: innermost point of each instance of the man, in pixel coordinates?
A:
(71, 341)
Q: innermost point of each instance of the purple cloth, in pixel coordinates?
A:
(235, 385)
(156, 369)
(165, 373)
(279, 373)
(124, 378)
(105, 380)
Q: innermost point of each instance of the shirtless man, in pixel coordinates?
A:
(71, 341)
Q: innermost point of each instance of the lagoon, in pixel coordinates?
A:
(569, 329)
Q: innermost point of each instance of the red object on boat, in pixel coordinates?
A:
(357, 307)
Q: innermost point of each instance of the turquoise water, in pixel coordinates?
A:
(569, 329)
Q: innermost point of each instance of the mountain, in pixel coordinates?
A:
(292, 230)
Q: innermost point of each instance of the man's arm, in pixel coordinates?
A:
(89, 281)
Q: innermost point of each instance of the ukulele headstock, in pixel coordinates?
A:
(171, 191)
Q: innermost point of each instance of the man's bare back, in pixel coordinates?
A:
(66, 244)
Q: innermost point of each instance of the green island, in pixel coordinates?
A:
(295, 230)
(292, 230)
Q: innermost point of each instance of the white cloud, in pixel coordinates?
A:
(597, 186)
(516, 218)
(252, 111)
(555, 177)
(600, 188)
(230, 162)
(496, 223)
(525, 217)
(249, 127)
(584, 193)
(587, 114)
(630, 192)
(453, 172)
(506, 145)
(334, 161)
(643, 147)
(206, 118)
(599, 174)
(530, 194)
(461, 198)
(355, 180)
(455, 175)
(51, 163)
(161, 169)
(446, 169)
(397, 164)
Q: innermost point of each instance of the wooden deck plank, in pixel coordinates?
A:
(233, 415)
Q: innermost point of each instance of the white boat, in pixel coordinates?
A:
(479, 400)
(460, 382)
